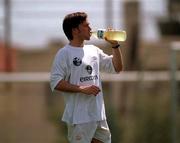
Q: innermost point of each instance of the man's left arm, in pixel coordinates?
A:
(117, 57)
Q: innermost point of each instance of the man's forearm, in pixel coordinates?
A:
(67, 87)
(117, 59)
(117, 56)
(86, 89)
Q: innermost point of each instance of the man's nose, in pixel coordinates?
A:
(90, 28)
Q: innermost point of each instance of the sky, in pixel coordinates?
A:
(35, 22)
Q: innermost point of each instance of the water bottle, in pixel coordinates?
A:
(117, 35)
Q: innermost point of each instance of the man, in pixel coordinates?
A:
(75, 72)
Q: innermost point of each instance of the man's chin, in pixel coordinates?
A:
(87, 38)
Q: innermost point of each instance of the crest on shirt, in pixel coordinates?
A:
(89, 69)
(77, 61)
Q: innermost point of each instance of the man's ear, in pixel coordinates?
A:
(74, 30)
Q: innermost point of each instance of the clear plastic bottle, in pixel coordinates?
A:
(117, 35)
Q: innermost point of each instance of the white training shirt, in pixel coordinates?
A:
(81, 66)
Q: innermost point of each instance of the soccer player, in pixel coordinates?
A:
(76, 73)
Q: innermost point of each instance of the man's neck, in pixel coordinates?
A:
(76, 43)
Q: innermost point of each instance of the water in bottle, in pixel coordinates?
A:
(117, 35)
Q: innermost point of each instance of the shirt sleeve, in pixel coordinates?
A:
(106, 64)
(59, 69)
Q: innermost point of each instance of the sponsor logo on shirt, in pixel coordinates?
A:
(88, 78)
(77, 61)
(89, 69)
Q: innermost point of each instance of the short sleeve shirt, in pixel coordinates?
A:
(81, 66)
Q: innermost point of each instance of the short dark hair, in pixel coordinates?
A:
(71, 21)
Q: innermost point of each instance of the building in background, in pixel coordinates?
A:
(8, 59)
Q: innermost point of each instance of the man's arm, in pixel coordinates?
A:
(117, 55)
(117, 59)
(65, 86)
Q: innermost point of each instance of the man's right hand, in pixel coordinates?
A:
(90, 89)
(65, 86)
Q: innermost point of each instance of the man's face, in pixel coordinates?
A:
(84, 30)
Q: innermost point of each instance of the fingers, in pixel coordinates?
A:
(90, 90)
(109, 28)
(113, 42)
(95, 90)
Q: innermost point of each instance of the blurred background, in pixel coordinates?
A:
(142, 102)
